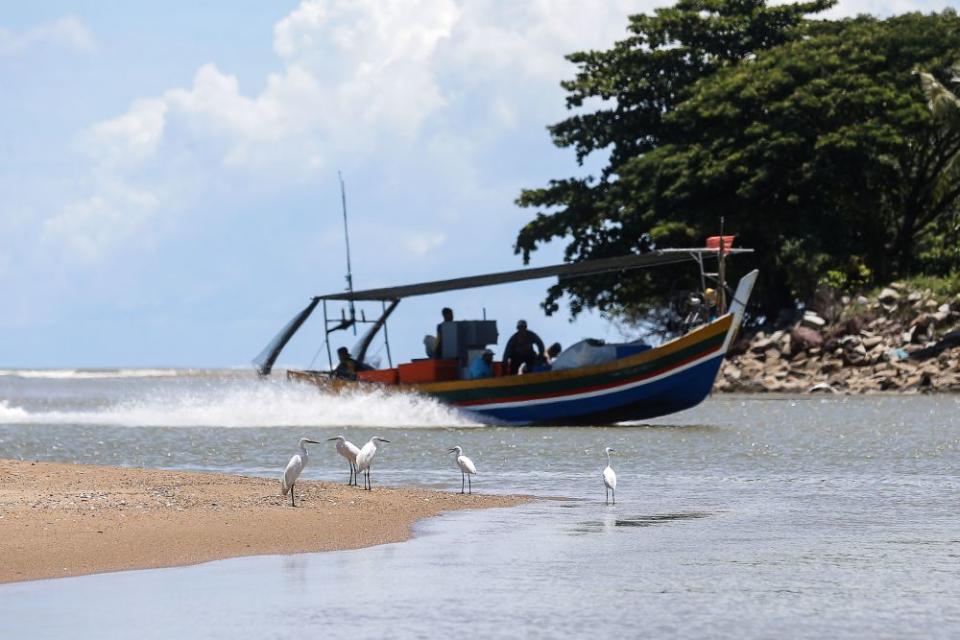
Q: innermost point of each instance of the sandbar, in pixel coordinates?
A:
(59, 520)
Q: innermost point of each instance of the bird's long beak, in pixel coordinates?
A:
(384, 440)
(452, 450)
(332, 439)
(312, 441)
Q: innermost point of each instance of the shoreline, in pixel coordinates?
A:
(60, 519)
(904, 339)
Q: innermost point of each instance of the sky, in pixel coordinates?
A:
(168, 171)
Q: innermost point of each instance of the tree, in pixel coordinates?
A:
(819, 150)
(642, 80)
(939, 249)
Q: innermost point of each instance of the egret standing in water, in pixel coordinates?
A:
(466, 465)
(294, 467)
(365, 459)
(349, 451)
(610, 478)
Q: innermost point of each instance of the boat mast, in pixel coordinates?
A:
(346, 236)
(721, 270)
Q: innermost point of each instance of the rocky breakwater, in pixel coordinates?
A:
(900, 340)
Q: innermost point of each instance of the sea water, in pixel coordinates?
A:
(749, 516)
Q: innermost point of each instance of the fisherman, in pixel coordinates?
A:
(543, 362)
(482, 366)
(520, 349)
(447, 314)
(710, 302)
(553, 351)
(701, 309)
(348, 367)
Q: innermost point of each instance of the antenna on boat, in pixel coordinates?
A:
(346, 236)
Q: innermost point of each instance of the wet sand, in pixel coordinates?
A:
(60, 520)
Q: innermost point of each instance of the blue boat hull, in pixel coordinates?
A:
(676, 392)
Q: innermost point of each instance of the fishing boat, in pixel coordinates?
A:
(628, 382)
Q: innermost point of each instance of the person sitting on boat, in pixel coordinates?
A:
(710, 304)
(553, 351)
(348, 367)
(482, 366)
(544, 362)
(520, 349)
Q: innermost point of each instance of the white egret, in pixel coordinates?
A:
(365, 459)
(349, 451)
(610, 478)
(466, 465)
(294, 467)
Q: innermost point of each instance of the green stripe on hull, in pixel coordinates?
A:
(549, 387)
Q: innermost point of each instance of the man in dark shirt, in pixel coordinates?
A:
(447, 314)
(520, 349)
(348, 367)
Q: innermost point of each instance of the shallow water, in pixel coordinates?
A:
(745, 517)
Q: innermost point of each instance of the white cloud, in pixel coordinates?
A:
(361, 75)
(90, 227)
(420, 244)
(358, 80)
(68, 32)
(129, 138)
(880, 8)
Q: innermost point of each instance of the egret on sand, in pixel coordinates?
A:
(349, 451)
(610, 478)
(365, 459)
(294, 467)
(467, 468)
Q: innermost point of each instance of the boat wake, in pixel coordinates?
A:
(240, 403)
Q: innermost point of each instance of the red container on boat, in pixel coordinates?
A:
(382, 376)
(428, 370)
(497, 369)
(713, 242)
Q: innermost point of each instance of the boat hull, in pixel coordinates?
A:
(670, 378)
(679, 391)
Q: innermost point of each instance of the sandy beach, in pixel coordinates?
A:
(60, 520)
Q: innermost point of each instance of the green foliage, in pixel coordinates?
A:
(855, 277)
(943, 288)
(812, 138)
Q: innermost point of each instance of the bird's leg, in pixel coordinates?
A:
(614, 492)
(461, 481)
(292, 491)
(470, 484)
(350, 474)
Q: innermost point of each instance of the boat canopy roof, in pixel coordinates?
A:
(566, 270)
(264, 361)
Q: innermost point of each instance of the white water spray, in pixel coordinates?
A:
(241, 403)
